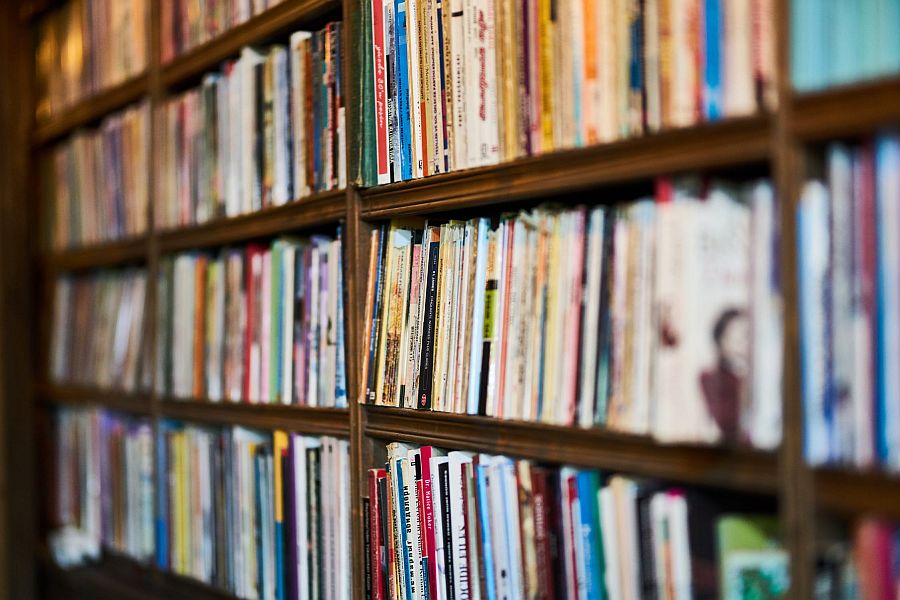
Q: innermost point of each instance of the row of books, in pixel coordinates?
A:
(190, 23)
(104, 479)
(462, 525)
(659, 316)
(476, 82)
(858, 560)
(256, 324)
(267, 129)
(262, 515)
(834, 43)
(86, 46)
(848, 230)
(100, 181)
(98, 330)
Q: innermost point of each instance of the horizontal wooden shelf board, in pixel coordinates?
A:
(732, 142)
(92, 109)
(734, 468)
(78, 395)
(318, 209)
(118, 576)
(858, 492)
(289, 16)
(106, 254)
(300, 419)
(855, 109)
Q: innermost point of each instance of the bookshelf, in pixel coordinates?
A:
(775, 143)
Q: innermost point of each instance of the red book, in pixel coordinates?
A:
(543, 526)
(251, 346)
(426, 517)
(571, 519)
(199, 326)
(376, 543)
(873, 559)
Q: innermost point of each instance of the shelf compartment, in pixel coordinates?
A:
(137, 403)
(91, 109)
(732, 468)
(856, 109)
(280, 19)
(300, 419)
(849, 492)
(106, 254)
(728, 143)
(315, 210)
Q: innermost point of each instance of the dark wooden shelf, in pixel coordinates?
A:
(77, 395)
(278, 20)
(121, 577)
(318, 209)
(855, 109)
(107, 254)
(858, 492)
(91, 109)
(731, 468)
(301, 419)
(706, 146)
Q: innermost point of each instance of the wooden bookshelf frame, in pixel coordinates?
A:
(776, 143)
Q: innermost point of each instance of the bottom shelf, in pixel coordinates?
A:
(715, 466)
(120, 577)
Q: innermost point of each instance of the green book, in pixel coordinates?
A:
(752, 562)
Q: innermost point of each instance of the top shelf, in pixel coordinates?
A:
(91, 109)
(278, 20)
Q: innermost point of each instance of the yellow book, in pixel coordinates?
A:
(547, 37)
(279, 447)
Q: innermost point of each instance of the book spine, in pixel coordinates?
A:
(380, 104)
(428, 336)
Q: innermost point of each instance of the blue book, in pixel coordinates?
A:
(588, 483)
(712, 71)
(403, 107)
(162, 497)
(259, 545)
(843, 21)
(813, 244)
(887, 202)
(888, 17)
(487, 554)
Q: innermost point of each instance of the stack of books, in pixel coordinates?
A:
(458, 525)
(660, 316)
(104, 479)
(86, 46)
(848, 256)
(190, 23)
(258, 324)
(260, 515)
(98, 336)
(267, 129)
(834, 43)
(466, 83)
(100, 184)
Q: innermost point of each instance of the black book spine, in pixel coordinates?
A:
(376, 314)
(446, 528)
(489, 327)
(259, 133)
(427, 364)
(367, 546)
